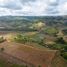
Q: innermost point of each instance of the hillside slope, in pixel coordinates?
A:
(58, 61)
(31, 56)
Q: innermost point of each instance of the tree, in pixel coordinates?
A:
(39, 66)
(21, 38)
(2, 39)
(2, 49)
(60, 40)
(64, 54)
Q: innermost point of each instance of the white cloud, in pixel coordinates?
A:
(33, 7)
(38, 7)
(11, 4)
(3, 2)
(4, 11)
(62, 8)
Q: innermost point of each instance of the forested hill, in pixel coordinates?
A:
(21, 22)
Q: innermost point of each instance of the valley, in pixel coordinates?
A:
(30, 41)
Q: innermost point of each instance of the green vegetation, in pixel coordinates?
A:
(60, 40)
(16, 65)
(64, 54)
(21, 38)
(60, 45)
(51, 31)
(2, 49)
(2, 39)
(39, 66)
(7, 64)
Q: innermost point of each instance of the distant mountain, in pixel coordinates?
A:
(24, 22)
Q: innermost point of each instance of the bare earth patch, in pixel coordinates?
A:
(30, 54)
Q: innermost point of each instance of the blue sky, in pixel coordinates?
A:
(33, 7)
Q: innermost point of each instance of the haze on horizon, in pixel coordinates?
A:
(33, 7)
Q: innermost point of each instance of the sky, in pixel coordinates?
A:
(33, 7)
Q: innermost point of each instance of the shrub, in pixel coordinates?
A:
(60, 40)
(64, 54)
(2, 39)
(2, 49)
(51, 31)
